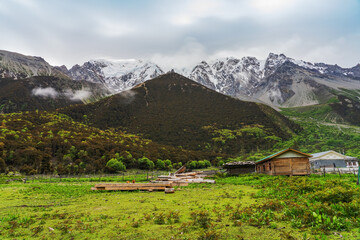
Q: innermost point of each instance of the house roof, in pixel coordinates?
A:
(232, 165)
(320, 154)
(315, 155)
(281, 152)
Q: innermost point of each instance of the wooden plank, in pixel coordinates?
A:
(181, 170)
(169, 190)
(166, 184)
(134, 188)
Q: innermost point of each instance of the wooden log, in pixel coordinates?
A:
(181, 170)
(169, 190)
(104, 185)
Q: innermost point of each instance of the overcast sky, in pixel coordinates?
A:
(176, 33)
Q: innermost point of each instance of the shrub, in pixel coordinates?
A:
(145, 163)
(335, 195)
(193, 165)
(159, 218)
(201, 218)
(160, 164)
(168, 164)
(114, 165)
(200, 164)
(207, 163)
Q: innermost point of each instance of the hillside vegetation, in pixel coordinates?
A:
(43, 142)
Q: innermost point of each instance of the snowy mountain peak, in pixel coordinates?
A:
(117, 75)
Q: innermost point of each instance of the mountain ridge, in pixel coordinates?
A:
(278, 81)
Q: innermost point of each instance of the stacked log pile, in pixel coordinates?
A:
(163, 183)
(180, 179)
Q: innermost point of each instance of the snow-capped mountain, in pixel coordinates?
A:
(278, 80)
(117, 75)
(18, 66)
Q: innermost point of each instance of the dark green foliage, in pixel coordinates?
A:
(201, 218)
(43, 142)
(174, 110)
(145, 163)
(168, 164)
(192, 164)
(317, 137)
(199, 164)
(314, 202)
(160, 164)
(2, 165)
(114, 165)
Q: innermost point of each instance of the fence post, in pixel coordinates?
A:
(324, 171)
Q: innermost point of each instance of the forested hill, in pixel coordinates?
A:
(172, 109)
(43, 142)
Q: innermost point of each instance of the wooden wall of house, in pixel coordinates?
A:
(285, 166)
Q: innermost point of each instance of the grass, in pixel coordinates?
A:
(246, 207)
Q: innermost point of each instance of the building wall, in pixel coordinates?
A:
(339, 163)
(285, 166)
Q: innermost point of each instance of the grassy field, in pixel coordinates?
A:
(246, 207)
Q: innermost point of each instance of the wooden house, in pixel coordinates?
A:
(285, 162)
(332, 159)
(236, 168)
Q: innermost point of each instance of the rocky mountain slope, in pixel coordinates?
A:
(117, 75)
(278, 81)
(175, 110)
(18, 66)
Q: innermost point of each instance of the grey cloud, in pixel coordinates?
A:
(69, 32)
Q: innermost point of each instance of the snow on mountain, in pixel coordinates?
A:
(278, 80)
(18, 66)
(117, 75)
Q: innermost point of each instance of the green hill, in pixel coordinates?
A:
(43, 142)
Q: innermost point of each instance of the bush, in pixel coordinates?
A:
(168, 164)
(201, 218)
(145, 163)
(200, 164)
(114, 165)
(192, 165)
(207, 163)
(160, 164)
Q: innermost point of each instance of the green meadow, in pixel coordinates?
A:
(246, 207)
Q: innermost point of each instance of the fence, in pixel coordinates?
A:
(138, 176)
(332, 170)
